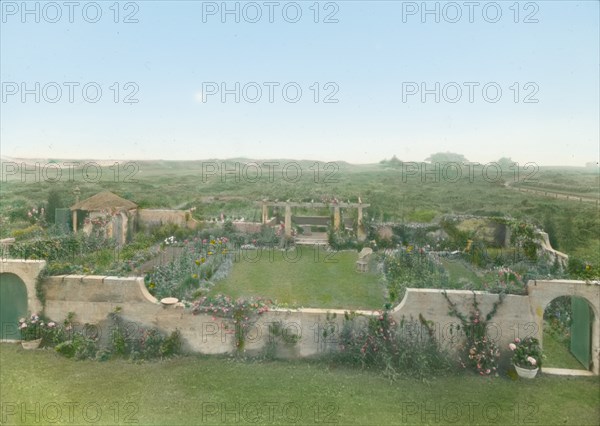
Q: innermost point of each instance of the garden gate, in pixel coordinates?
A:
(13, 305)
(581, 330)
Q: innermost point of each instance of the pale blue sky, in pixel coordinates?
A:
(367, 54)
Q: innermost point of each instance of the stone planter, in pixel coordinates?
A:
(31, 344)
(526, 373)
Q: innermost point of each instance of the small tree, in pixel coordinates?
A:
(54, 202)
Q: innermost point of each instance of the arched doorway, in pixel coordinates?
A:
(13, 305)
(567, 333)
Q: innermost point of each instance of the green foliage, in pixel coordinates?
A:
(412, 268)
(198, 264)
(558, 317)
(242, 311)
(527, 353)
(54, 202)
(79, 347)
(479, 352)
(422, 216)
(343, 239)
(32, 231)
(446, 157)
(60, 247)
(582, 269)
(125, 339)
(408, 348)
(278, 332)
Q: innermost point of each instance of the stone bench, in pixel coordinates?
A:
(362, 264)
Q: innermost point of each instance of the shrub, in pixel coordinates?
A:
(80, 347)
(406, 349)
(412, 268)
(479, 352)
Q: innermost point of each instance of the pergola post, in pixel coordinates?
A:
(265, 213)
(74, 221)
(360, 232)
(288, 220)
(336, 218)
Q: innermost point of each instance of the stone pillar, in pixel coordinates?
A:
(336, 218)
(74, 221)
(288, 220)
(265, 213)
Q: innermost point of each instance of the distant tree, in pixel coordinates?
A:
(446, 157)
(54, 202)
(505, 163)
(394, 161)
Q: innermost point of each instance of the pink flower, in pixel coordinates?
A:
(512, 346)
(531, 360)
(517, 340)
(23, 325)
(51, 324)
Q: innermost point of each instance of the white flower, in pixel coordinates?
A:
(512, 346)
(23, 325)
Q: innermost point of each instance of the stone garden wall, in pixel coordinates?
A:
(152, 217)
(93, 298)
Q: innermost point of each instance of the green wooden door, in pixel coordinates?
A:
(581, 331)
(13, 305)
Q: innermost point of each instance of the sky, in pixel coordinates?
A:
(351, 81)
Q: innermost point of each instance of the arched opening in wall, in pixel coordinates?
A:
(13, 305)
(567, 333)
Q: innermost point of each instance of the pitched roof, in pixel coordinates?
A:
(104, 200)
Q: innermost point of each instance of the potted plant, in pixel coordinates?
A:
(31, 331)
(527, 356)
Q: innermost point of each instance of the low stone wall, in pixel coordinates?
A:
(153, 217)
(92, 298)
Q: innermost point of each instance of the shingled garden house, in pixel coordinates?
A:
(107, 211)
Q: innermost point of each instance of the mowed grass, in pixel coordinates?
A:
(214, 390)
(558, 355)
(304, 277)
(460, 274)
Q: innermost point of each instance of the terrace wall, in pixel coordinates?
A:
(92, 298)
(153, 217)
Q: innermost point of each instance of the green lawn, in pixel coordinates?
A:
(557, 354)
(198, 390)
(460, 274)
(306, 277)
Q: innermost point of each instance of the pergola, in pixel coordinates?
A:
(336, 205)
